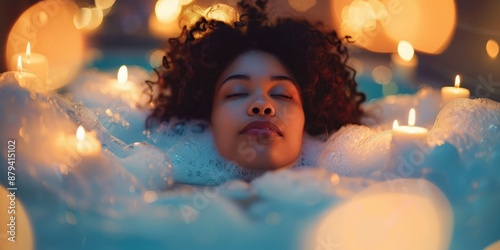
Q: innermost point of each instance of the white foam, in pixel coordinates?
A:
(381, 113)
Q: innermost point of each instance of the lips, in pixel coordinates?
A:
(260, 127)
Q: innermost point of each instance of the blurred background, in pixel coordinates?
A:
(400, 44)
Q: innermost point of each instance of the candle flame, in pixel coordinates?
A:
(28, 52)
(405, 50)
(457, 81)
(395, 124)
(80, 133)
(122, 74)
(19, 64)
(411, 117)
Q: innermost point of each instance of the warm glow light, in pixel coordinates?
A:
(408, 214)
(95, 19)
(80, 133)
(185, 2)
(221, 12)
(492, 48)
(301, 5)
(411, 117)
(494, 246)
(156, 58)
(122, 74)
(22, 226)
(405, 50)
(82, 18)
(163, 30)
(382, 75)
(87, 145)
(378, 25)
(104, 4)
(334, 179)
(356, 64)
(360, 17)
(49, 27)
(395, 124)
(457, 81)
(167, 10)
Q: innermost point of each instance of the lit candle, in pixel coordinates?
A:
(404, 135)
(450, 93)
(125, 88)
(406, 142)
(34, 63)
(26, 79)
(122, 82)
(86, 143)
(404, 61)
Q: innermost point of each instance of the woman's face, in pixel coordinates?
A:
(257, 116)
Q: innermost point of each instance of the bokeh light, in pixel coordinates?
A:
(405, 50)
(405, 59)
(156, 57)
(390, 89)
(163, 30)
(185, 2)
(49, 27)
(167, 10)
(382, 75)
(494, 246)
(82, 18)
(356, 64)
(397, 214)
(23, 231)
(379, 25)
(302, 5)
(104, 4)
(361, 17)
(95, 19)
(416, 21)
(492, 48)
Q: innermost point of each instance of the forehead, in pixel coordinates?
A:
(256, 63)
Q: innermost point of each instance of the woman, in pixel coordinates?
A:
(259, 84)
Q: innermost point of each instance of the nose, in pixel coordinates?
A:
(260, 107)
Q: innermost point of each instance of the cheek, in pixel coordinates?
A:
(293, 118)
(224, 116)
(298, 127)
(224, 126)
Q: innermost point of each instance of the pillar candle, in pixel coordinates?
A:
(34, 63)
(450, 93)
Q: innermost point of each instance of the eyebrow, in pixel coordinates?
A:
(247, 78)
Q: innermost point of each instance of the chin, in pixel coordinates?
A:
(260, 164)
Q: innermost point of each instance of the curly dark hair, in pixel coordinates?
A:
(317, 59)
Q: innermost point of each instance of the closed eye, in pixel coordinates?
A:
(236, 95)
(283, 96)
